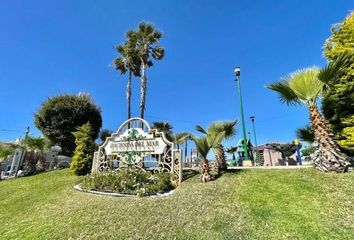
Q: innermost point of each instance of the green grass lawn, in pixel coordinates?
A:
(248, 204)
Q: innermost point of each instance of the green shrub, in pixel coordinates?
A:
(128, 181)
(60, 115)
(85, 147)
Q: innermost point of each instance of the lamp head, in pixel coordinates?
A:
(252, 118)
(237, 71)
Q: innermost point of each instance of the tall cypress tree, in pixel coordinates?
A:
(85, 147)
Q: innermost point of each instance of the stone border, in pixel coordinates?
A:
(78, 188)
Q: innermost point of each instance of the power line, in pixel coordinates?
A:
(11, 130)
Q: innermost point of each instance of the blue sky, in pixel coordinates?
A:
(54, 47)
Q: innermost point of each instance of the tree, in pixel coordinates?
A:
(34, 158)
(304, 87)
(338, 102)
(287, 149)
(145, 41)
(232, 151)
(308, 151)
(305, 134)
(164, 127)
(59, 116)
(129, 61)
(104, 133)
(227, 129)
(180, 138)
(203, 145)
(85, 147)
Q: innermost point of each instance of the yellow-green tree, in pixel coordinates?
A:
(338, 102)
(85, 147)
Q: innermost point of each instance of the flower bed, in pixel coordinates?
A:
(128, 182)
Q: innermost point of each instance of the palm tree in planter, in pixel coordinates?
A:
(228, 130)
(305, 86)
(145, 39)
(204, 144)
(128, 61)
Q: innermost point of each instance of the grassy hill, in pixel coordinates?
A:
(247, 204)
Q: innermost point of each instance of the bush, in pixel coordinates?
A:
(128, 181)
(85, 147)
(59, 116)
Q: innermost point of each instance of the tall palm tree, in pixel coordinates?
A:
(305, 86)
(179, 138)
(203, 145)
(228, 130)
(145, 39)
(128, 61)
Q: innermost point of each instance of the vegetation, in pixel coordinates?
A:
(34, 161)
(104, 133)
(204, 144)
(227, 131)
(144, 42)
(247, 204)
(164, 127)
(338, 102)
(59, 116)
(308, 151)
(306, 134)
(81, 163)
(128, 181)
(128, 61)
(232, 151)
(304, 87)
(287, 149)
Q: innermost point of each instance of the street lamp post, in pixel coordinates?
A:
(254, 134)
(238, 80)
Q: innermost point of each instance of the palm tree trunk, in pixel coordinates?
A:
(143, 90)
(129, 94)
(205, 170)
(327, 157)
(220, 158)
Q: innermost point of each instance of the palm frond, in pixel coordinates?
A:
(228, 127)
(215, 139)
(120, 65)
(285, 93)
(200, 129)
(328, 73)
(305, 134)
(179, 138)
(162, 126)
(202, 145)
(158, 53)
(231, 149)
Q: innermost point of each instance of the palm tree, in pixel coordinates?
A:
(203, 145)
(232, 151)
(130, 62)
(145, 40)
(228, 130)
(305, 87)
(305, 134)
(180, 138)
(164, 127)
